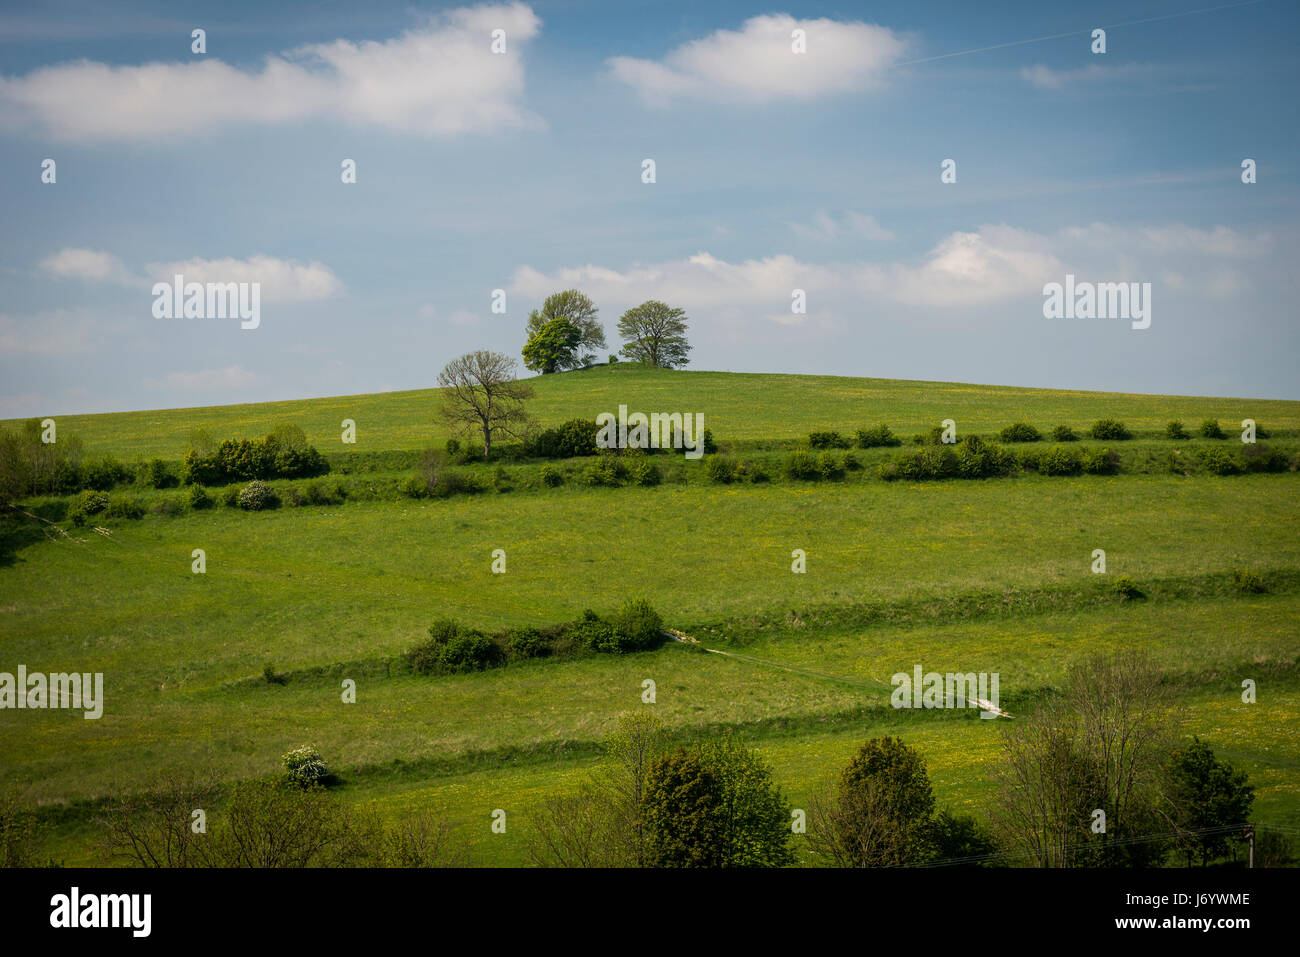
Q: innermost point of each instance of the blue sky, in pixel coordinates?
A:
(522, 171)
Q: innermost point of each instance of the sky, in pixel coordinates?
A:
(523, 172)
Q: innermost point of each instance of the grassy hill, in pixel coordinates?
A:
(738, 406)
(990, 575)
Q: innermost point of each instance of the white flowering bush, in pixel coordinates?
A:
(305, 767)
(256, 496)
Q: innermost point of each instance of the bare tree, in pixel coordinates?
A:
(590, 828)
(482, 396)
(154, 827)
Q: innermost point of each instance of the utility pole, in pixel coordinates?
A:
(1249, 834)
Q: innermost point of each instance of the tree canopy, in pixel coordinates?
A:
(655, 334)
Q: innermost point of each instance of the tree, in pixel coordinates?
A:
(655, 334)
(551, 346)
(1206, 793)
(580, 311)
(684, 812)
(755, 815)
(634, 744)
(483, 396)
(881, 812)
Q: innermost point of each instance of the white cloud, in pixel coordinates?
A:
(756, 63)
(1045, 78)
(90, 264)
(231, 377)
(54, 333)
(825, 228)
(439, 80)
(281, 280)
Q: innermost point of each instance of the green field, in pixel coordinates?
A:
(988, 575)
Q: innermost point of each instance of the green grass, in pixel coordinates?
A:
(973, 576)
(737, 406)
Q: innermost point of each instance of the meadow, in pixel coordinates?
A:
(988, 575)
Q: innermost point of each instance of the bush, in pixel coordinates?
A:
(270, 677)
(928, 463)
(752, 471)
(200, 498)
(454, 482)
(603, 473)
(829, 467)
(125, 507)
(827, 440)
(315, 493)
(1248, 582)
(158, 475)
(551, 476)
(576, 437)
(103, 473)
(452, 649)
(1261, 458)
(591, 631)
(638, 625)
(1060, 461)
(1101, 462)
(230, 496)
(644, 473)
(1126, 588)
(304, 767)
(453, 448)
(88, 503)
(801, 464)
(709, 445)
(1021, 432)
(1110, 430)
(525, 643)
(1030, 460)
(256, 496)
(1220, 462)
(1063, 433)
(877, 437)
(1175, 430)
(415, 487)
(1210, 429)
(979, 459)
(851, 463)
(720, 469)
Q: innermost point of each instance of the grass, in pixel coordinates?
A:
(960, 575)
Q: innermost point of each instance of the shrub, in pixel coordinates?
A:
(827, 440)
(1060, 461)
(158, 475)
(829, 467)
(256, 496)
(1175, 430)
(933, 437)
(720, 469)
(801, 464)
(1248, 582)
(979, 459)
(1220, 462)
(1261, 458)
(1126, 588)
(1029, 459)
(851, 463)
(1063, 433)
(304, 767)
(576, 437)
(601, 474)
(455, 481)
(125, 507)
(551, 476)
(639, 626)
(928, 463)
(166, 506)
(1101, 462)
(230, 496)
(877, 437)
(452, 649)
(88, 503)
(613, 358)
(1210, 429)
(315, 493)
(644, 473)
(1020, 432)
(524, 643)
(103, 473)
(709, 445)
(200, 498)
(415, 487)
(453, 448)
(269, 675)
(1110, 430)
(752, 471)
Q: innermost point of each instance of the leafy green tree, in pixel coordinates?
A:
(756, 816)
(655, 334)
(579, 310)
(684, 812)
(1206, 793)
(551, 347)
(881, 811)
